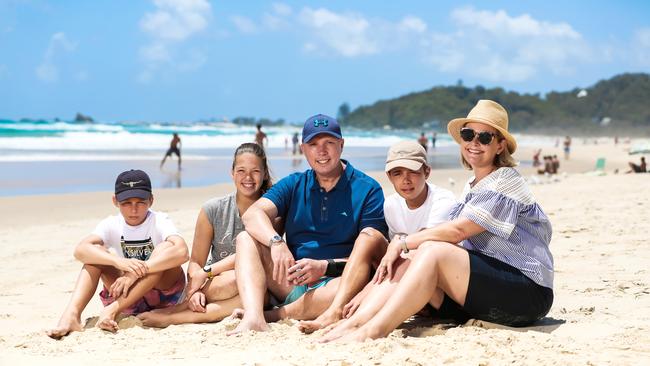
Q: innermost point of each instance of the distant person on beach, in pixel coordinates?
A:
(536, 161)
(260, 136)
(295, 140)
(136, 254)
(174, 148)
(555, 163)
(211, 292)
(329, 211)
(492, 260)
(434, 136)
(416, 205)
(567, 147)
(640, 168)
(422, 140)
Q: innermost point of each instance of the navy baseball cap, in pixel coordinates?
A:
(318, 124)
(132, 184)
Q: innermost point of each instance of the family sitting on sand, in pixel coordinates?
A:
(324, 247)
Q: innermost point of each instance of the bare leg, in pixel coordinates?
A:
(221, 287)
(84, 289)
(368, 250)
(253, 272)
(214, 312)
(437, 266)
(308, 306)
(222, 298)
(374, 301)
(142, 286)
(161, 280)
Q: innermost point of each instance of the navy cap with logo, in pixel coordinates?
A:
(318, 124)
(132, 184)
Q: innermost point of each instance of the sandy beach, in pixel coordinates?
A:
(601, 312)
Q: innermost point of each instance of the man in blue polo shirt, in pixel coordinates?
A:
(329, 211)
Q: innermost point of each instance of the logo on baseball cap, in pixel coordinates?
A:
(318, 124)
(406, 154)
(132, 184)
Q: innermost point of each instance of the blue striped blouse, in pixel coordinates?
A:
(517, 230)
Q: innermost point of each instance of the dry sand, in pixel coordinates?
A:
(601, 313)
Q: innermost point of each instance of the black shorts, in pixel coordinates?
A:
(498, 293)
(173, 150)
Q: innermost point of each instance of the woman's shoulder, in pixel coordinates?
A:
(217, 202)
(508, 182)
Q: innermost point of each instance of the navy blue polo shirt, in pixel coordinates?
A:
(322, 225)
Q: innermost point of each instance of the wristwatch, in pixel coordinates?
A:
(208, 269)
(276, 240)
(402, 238)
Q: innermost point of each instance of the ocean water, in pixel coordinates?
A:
(43, 156)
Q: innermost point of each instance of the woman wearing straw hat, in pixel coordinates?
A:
(492, 260)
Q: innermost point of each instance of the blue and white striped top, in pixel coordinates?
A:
(517, 230)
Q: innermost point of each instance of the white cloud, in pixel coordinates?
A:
(169, 26)
(499, 22)
(353, 35)
(244, 24)
(500, 47)
(48, 71)
(411, 23)
(346, 34)
(176, 20)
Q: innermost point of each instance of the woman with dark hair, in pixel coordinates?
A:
(492, 260)
(211, 293)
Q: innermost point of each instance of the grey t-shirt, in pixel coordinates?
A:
(223, 214)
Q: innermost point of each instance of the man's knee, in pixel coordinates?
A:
(244, 242)
(373, 240)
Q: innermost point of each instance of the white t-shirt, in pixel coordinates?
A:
(136, 242)
(434, 211)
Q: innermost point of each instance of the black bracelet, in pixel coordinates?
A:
(334, 269)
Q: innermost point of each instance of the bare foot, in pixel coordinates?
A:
(238, 313)
(342, 328)
(172, 309)
(154, 319)
(68, 323)
(362, 334)
(323, 320)
(246, 325)
(106, 319)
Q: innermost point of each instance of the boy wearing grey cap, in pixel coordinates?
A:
(137, 254)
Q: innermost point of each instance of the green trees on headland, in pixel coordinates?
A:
(618, 105)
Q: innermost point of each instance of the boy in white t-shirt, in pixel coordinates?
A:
(137, 254)
(415, 205)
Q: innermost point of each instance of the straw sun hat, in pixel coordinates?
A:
(489, 113)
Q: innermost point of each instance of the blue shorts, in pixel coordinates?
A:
(298, 291)
(498, 293)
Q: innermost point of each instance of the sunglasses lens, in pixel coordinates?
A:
(485, 138)
(467, 134)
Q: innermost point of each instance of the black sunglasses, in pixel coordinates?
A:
(484, 137)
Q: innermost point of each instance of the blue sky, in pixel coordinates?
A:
(184, 60)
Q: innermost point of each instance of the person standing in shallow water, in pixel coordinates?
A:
(422, 140)
(260, 136)
(174, 148)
